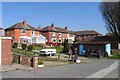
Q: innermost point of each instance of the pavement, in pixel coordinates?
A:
(12, 67)
(15, 66)
(100, 68)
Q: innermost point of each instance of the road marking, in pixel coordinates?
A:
(102, 73)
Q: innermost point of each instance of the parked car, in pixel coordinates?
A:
(48, 52)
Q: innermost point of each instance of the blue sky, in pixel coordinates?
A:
(76, 15)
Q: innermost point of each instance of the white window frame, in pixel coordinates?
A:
(54, 39)
(68, 35)
(32, 32)
(59, 41)
(22, 31)
(59, 34)
(53, 34)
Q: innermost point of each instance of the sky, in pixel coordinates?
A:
(76, 15)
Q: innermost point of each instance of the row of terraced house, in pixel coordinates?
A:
(51, 35)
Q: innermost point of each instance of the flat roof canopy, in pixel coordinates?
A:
(90, 42)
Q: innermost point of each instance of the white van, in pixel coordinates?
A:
(48, 51)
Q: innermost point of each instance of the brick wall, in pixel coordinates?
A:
(0, 31)
(22, 59)
(115, 51)
(6, 51)
(25, 60)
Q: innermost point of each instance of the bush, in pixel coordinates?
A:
(66, 46)
(40, 45)
(59, 49)
(40, 62)
(24, 46)
(30, 47)
(15, 45)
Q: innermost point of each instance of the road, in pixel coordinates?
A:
(96, 69)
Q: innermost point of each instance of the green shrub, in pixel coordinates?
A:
(15, 45)
(59, 49)
(40, 62)
(30, 47)
(66, 46)
(24, 46)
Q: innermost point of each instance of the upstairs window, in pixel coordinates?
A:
(59, 34)
(53, 33)
(68, 35)
(32, 32)
(23, 31)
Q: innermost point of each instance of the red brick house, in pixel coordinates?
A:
(1, 31)
(21, 29)
(86, 34)
(55, 35)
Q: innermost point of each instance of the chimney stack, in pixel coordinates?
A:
(1, 31)
(66, 27)
(52, 25)
(24, 23)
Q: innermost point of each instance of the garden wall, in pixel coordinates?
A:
(25, 60)
(115, 51)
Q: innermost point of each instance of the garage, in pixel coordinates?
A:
(102, 46)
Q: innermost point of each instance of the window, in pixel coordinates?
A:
(60, 41)
(33, 39)
(32, 32)
(53, 39)
(53, 33)
(70, 41)
(59, 34)
(68, 35)
(23, 31)
(23, 40)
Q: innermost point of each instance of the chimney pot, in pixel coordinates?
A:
(52, 25)
(24, 23)
(66, 27)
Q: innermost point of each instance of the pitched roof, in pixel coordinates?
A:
(52, 28)
(86, 32)
(99, 40)
(1, 28)
(90, 42)
(21, 25)
(103, 38)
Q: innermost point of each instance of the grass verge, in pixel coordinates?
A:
(114, 56)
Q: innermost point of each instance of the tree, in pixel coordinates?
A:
(111, 14)
(77, 39)
(65, 46)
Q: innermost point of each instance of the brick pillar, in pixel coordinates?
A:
(35, 62)
(6, 51)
